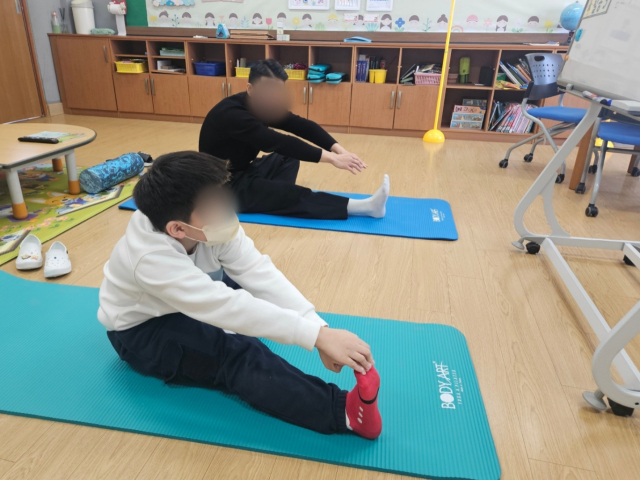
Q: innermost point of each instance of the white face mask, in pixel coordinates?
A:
(219, 233)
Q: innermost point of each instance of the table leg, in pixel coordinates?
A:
(581, 158)
(57, 164)
(17, 200)
(72, 173)
(632, 162)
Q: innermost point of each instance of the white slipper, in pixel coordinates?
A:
(30, 255)
(57, 262)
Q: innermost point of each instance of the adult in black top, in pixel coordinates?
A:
(239, 128)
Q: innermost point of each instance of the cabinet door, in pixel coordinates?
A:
(205, 93)
(236, 85)
(86, 73)
(373, 105)
(299, 91)
(170, 94)
(133, 91)
(415, 107)
(329, 104)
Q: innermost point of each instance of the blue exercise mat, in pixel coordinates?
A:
(426, 218)
(57, 363)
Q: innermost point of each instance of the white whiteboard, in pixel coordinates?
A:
(604, 58)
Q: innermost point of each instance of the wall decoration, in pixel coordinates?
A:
(411, 16)
(379, 5)
(347, 5)
(309, 4)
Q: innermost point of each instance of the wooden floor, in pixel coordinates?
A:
(531, 347)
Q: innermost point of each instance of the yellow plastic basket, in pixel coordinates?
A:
(296, 74)
(242, 72)
(122, 67)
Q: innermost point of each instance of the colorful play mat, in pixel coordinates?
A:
(52, 210)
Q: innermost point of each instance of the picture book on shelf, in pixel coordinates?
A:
(507, 117)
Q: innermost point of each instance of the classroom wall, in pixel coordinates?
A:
(531, 16)
(40, 15)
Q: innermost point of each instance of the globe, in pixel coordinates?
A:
(570, 16)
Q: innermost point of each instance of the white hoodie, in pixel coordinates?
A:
(150, 274)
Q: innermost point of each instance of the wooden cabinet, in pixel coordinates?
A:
(299, 95)
(330, 104)
(86, 73)
(236, 85)
(205, 93)
(415, 107)
(170, 94)
(133, 92)
(373, 105)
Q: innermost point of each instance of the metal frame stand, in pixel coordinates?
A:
(612, 341)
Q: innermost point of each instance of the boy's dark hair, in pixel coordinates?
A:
(267, 68)
(169, 189)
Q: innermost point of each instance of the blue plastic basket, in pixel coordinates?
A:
(211, 69)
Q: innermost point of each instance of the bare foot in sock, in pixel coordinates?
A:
(362, 405)
(375, 206)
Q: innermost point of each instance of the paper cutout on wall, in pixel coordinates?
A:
(379, 5)
(309, 4)
(347, 5)
(407, 16)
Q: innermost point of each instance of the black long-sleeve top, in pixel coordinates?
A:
(231, 132)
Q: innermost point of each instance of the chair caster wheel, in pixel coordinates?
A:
(504, 163)
(627, 261)
(560, 178)
(620, 410)
(635, 172)
(533, 248)
(581, 188)
(593, 168)
(528, 157)
(591, 211)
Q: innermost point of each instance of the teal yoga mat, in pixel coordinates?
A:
(57, 363)
(426, 218)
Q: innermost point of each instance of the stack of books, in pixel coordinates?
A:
(507, 117)
(366, 63)
(409, 77)
(518, 75)
(469, 115)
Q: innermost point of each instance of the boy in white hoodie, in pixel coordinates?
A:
(168, 315)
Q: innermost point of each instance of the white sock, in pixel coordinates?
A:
(348, 423)
(374, 206)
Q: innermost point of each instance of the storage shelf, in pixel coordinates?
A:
(167, 72)
(127, 55)
(464, 86)
(169, 57)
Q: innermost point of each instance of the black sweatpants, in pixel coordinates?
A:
(179, 349)
(269, 186)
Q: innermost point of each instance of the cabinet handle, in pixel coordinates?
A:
(310, 95)
(229, 89)
(399, 104)
(224, 90)
(146, 85)
(153, 87)
(18, 7)
(304, 96)
(393, 97)
(104, 50)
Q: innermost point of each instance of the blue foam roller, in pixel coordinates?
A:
(111, 172)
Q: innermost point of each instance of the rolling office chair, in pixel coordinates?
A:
(545, 68)
(622, 131)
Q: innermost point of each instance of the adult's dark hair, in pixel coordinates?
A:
(169, 190)
(267, 68)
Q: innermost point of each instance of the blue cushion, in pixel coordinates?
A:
(559, 114)
(620, 133)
